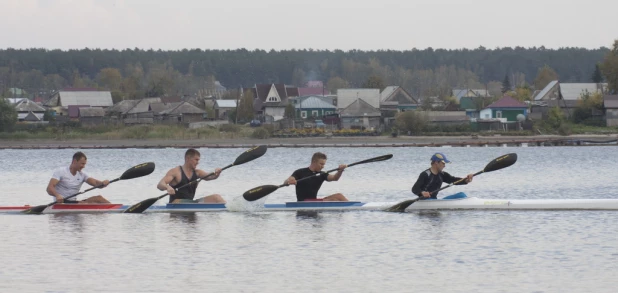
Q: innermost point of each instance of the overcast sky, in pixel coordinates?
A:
(317, 24)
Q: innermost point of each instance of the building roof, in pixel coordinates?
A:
(313, 102)
(507, 102)
(25, 105)
(460, 93)
(225, 103)
(142, 106)
(91, 112)
(31, 117)
(160, 107)
(396, 95)
(610, 101)
(183, 108)
(546, 90)
(90, 98)
(360, 108)
(573, 91)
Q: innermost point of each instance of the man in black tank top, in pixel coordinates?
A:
(432, 178)
(181, 175)
(307, 190)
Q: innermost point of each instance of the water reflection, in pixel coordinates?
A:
(307, 215)
(184, 218)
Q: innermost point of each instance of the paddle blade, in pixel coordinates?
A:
(35, 210)
(250, 155)
(259, 192)
(501, 162)
(376, 159)
(141, 206)
(402, 206)
(138, 171)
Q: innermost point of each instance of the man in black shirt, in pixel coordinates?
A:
(307, 190)
(432, 178)
(182, 175)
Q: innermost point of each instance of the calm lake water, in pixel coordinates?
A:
(364, 251)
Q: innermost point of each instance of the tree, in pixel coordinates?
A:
(610, 68)
(290, 111)
(506, 84)
(545, 75)
(110, 79)
(298, 77)
(374, 82)
(597, 77)
(245, 108)
(413, 121)
(521, 94)
(8, 115)
(335, 83)
(555, 117)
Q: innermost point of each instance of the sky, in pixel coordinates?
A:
(316, 24)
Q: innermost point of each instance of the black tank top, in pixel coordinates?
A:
(187, 192)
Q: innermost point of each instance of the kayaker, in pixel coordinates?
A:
(182, 175)
(432, 178)
(307, 190)
(67, 181)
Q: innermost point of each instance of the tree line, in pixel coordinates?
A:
(134, 73)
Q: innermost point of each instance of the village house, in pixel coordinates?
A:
(270, 100)
(60, 101)
(28, 110)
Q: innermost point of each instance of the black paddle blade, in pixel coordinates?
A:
(138, 171)
(259, 192)
(35, 210)
(501, 162)
(250, 155)
(402, 206)
(141, 206)
(376, 159)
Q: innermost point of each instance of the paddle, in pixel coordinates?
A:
(495, 164)
(135, 172)
(247, 156)
(264, 190)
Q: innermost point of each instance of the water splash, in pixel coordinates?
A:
(239, 204)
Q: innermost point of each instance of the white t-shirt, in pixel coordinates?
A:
(67, 183)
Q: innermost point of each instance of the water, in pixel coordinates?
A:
(364, 251)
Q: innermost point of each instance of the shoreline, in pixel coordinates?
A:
(357, 141)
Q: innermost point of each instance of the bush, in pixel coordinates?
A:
(564, 129)
(229, 128)
(260, 133)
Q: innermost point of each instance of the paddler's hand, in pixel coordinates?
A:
(425, 194)
(291, 181)
(469, 178)
(170, 190)
(59, 199)
(217, 173)
(341, 167)
(104, 183)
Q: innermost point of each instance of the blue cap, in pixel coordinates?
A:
(438, 157)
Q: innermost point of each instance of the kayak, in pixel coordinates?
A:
(457, 201)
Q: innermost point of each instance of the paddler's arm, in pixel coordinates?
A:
(165, 182)
(51, 190)
(94, 182)
(420, 182)
(207, 176)
(336, 176)
(448, 178)
(290, 181)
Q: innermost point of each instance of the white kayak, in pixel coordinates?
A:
(457, 201)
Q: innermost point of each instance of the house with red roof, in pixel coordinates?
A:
(505, 109)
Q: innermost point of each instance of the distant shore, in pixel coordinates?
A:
(357, 141)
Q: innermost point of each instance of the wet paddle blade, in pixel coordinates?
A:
(141, 206)
(402, 206)
(259, 192)
(138, 171)
(250, 155)
(35, 210)
(501, 162)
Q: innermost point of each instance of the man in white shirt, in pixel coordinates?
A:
(67, 181)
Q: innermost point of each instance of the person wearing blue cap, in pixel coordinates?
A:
(431, 179)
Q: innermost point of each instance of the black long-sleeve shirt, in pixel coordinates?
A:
(427, 181)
